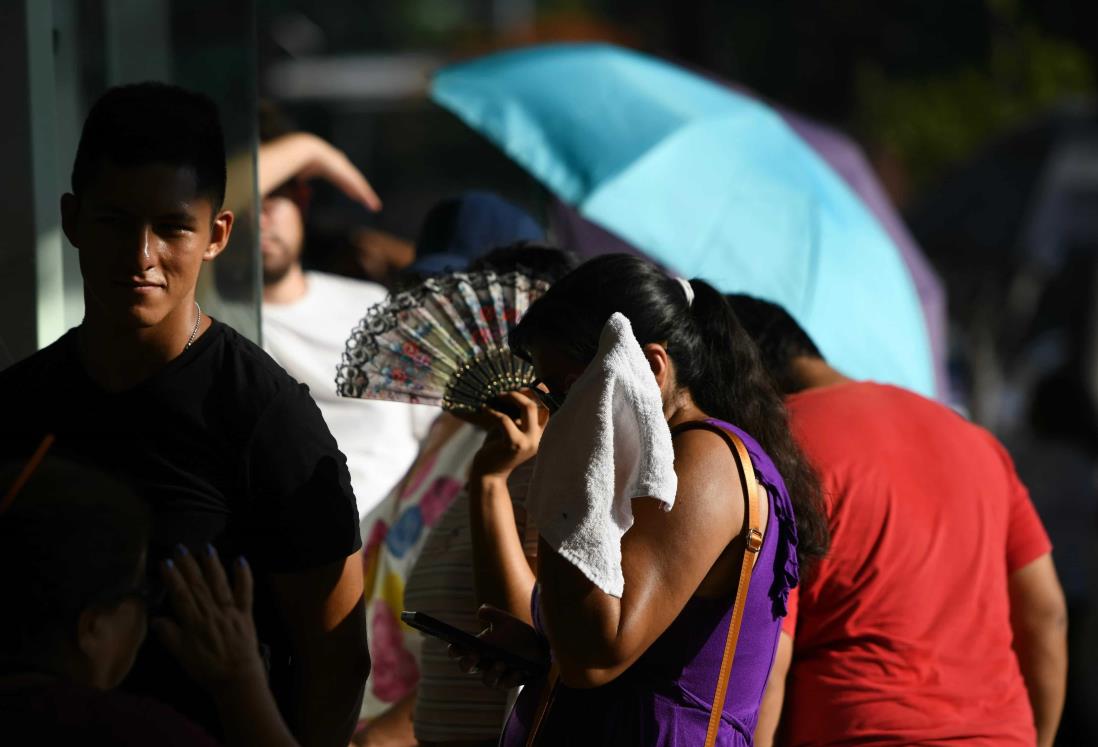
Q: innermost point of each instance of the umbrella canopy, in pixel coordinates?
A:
(707, 182)
(846, 158)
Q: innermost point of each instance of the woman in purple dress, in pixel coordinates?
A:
(643, 669)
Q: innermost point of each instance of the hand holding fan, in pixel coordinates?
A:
(443, 342)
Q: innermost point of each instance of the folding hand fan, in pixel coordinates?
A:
(443, 342)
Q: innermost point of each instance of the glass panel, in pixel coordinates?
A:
(62, 56)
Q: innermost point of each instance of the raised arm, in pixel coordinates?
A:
(306, 156)
(324, 613)
(298, 154)
(667, 557)
(502, 574)
(1038, 617)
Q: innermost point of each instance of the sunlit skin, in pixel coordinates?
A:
(667, 557)
(143, 234)
(281, 241)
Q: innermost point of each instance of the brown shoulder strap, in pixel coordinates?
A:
(545, 702)
(752, 544)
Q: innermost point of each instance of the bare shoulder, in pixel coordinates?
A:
(703, 450)
(706, 468)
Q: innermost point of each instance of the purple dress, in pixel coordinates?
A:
(665, 697)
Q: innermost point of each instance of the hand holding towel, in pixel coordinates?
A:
(608, 444)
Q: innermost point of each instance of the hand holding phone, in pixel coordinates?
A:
(483, 653)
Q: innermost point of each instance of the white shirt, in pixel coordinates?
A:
(307, 338)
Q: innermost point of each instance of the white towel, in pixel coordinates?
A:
(608, 444)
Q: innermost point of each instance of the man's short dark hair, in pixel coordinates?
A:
(778, 336)
(147, 123)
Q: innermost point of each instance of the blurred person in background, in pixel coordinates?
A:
(73, 545)
(411, 518)
(225, 447)
(452, 708)
(308, 316)
(937, 617)
(458, 230)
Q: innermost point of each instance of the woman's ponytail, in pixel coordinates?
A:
(731, 383)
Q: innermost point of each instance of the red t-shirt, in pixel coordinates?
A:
(902, 635)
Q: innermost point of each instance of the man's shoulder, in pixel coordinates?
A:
(249, 368)
(871, 419)
(861, 417)
(850, 397)
(41, 371)
(58, 351)
(324, 285)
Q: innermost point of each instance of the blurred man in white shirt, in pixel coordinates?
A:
(308, 316)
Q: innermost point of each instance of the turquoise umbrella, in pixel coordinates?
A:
(709, 183)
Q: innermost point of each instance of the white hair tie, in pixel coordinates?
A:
(688, 290)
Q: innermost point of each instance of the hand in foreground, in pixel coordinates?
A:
(213, 634)
(510, 633)
(512, 438)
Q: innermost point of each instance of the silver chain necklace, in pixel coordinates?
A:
(197, 321)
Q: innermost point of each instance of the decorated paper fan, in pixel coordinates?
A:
(443, 342)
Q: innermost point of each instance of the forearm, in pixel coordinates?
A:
(329, 699)
(325, 614)
(284, 158)
(501, 574)
(1038, 620)
(250, 716)
(278, 161)
(1042, 657)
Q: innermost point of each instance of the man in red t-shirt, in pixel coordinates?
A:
(937, 615)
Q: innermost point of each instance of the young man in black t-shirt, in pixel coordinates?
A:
(227, 449)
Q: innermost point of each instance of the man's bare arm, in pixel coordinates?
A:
(770, 712)
(295, 155)
(324, 612)
(305, 156)
(1038, 616)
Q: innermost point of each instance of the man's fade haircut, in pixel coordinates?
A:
(146, 123)
(778, 336)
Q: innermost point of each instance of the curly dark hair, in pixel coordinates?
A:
(714, 359)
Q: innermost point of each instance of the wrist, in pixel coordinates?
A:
(486, 483)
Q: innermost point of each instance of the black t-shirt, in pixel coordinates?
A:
(224, 446)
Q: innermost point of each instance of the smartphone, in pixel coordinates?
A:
(488, 652)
